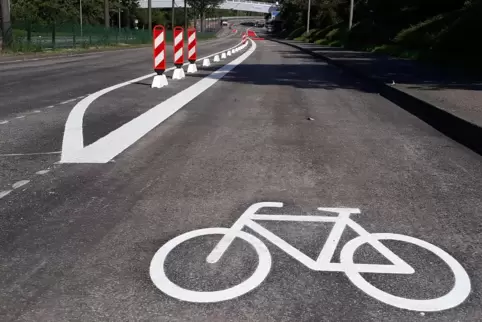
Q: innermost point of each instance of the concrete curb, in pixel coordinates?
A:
(458, 129)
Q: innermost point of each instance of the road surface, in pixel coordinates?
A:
(273, 125)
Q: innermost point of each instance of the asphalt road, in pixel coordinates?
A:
(77, 241)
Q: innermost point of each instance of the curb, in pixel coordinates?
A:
(458, 129)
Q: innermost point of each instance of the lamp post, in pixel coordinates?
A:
(308, 19)
(80, 18)
(172, 13)
(185, 15)
(149, 16)
(106, 14)
(350, 23)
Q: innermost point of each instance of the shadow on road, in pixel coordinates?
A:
(306, 73)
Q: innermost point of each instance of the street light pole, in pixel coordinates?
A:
(119, 18)
(6, 24)
(149, 15)
(172, 14)
(350, 23)
(106, 13)
(81, 23)
(185, 15)
(308, 19)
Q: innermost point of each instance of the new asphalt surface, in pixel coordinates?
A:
(77, 240)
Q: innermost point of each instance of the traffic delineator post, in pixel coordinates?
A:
(159, 56)
(191, 50)
(178, 34)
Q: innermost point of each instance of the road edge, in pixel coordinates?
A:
(458, 129)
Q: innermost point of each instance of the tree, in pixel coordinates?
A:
(200, 7)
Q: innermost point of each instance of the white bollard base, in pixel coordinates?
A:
(191, 68)
(223, 56)
(159, 81)
(206, 62)
(178, 73)
(228, 53)
(216, 59)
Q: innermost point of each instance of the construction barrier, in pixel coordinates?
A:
(159, 56)
(191, 50)
(191, 45)
(178, 53)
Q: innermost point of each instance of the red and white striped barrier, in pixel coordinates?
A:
(178, 53)
(159, 56)
(244, 37)
(191, 50)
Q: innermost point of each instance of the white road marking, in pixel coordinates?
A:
(4, 193)
(20, 183)
(20, 117)
(120, 139)
(68, 101)
(41, 172)
(27, 154)
(36, 111)
(454, 297)
(3, 122)
(50, 106)
(73, 140)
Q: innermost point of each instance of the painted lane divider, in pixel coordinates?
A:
(159, 47)
(191, 50)
(109, 146)
(178, 53)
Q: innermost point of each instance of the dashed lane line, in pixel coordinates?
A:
(40, 111)
(20, 183)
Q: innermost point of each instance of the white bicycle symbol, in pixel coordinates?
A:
(454, 297)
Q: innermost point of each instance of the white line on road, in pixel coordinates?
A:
(120, 139)
(27, 154)
(20, 183)
(5, 193)
(42, 172)
(68, 101)
(20, 117)
(3, 122)
(73, 140)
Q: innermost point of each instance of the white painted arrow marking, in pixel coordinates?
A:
(73, 140)
(109, 146)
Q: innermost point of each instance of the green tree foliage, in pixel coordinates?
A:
(201, 7)
(60, 11)
(434, 27)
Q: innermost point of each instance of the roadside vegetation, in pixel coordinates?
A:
(442, 31)
(54, 25)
